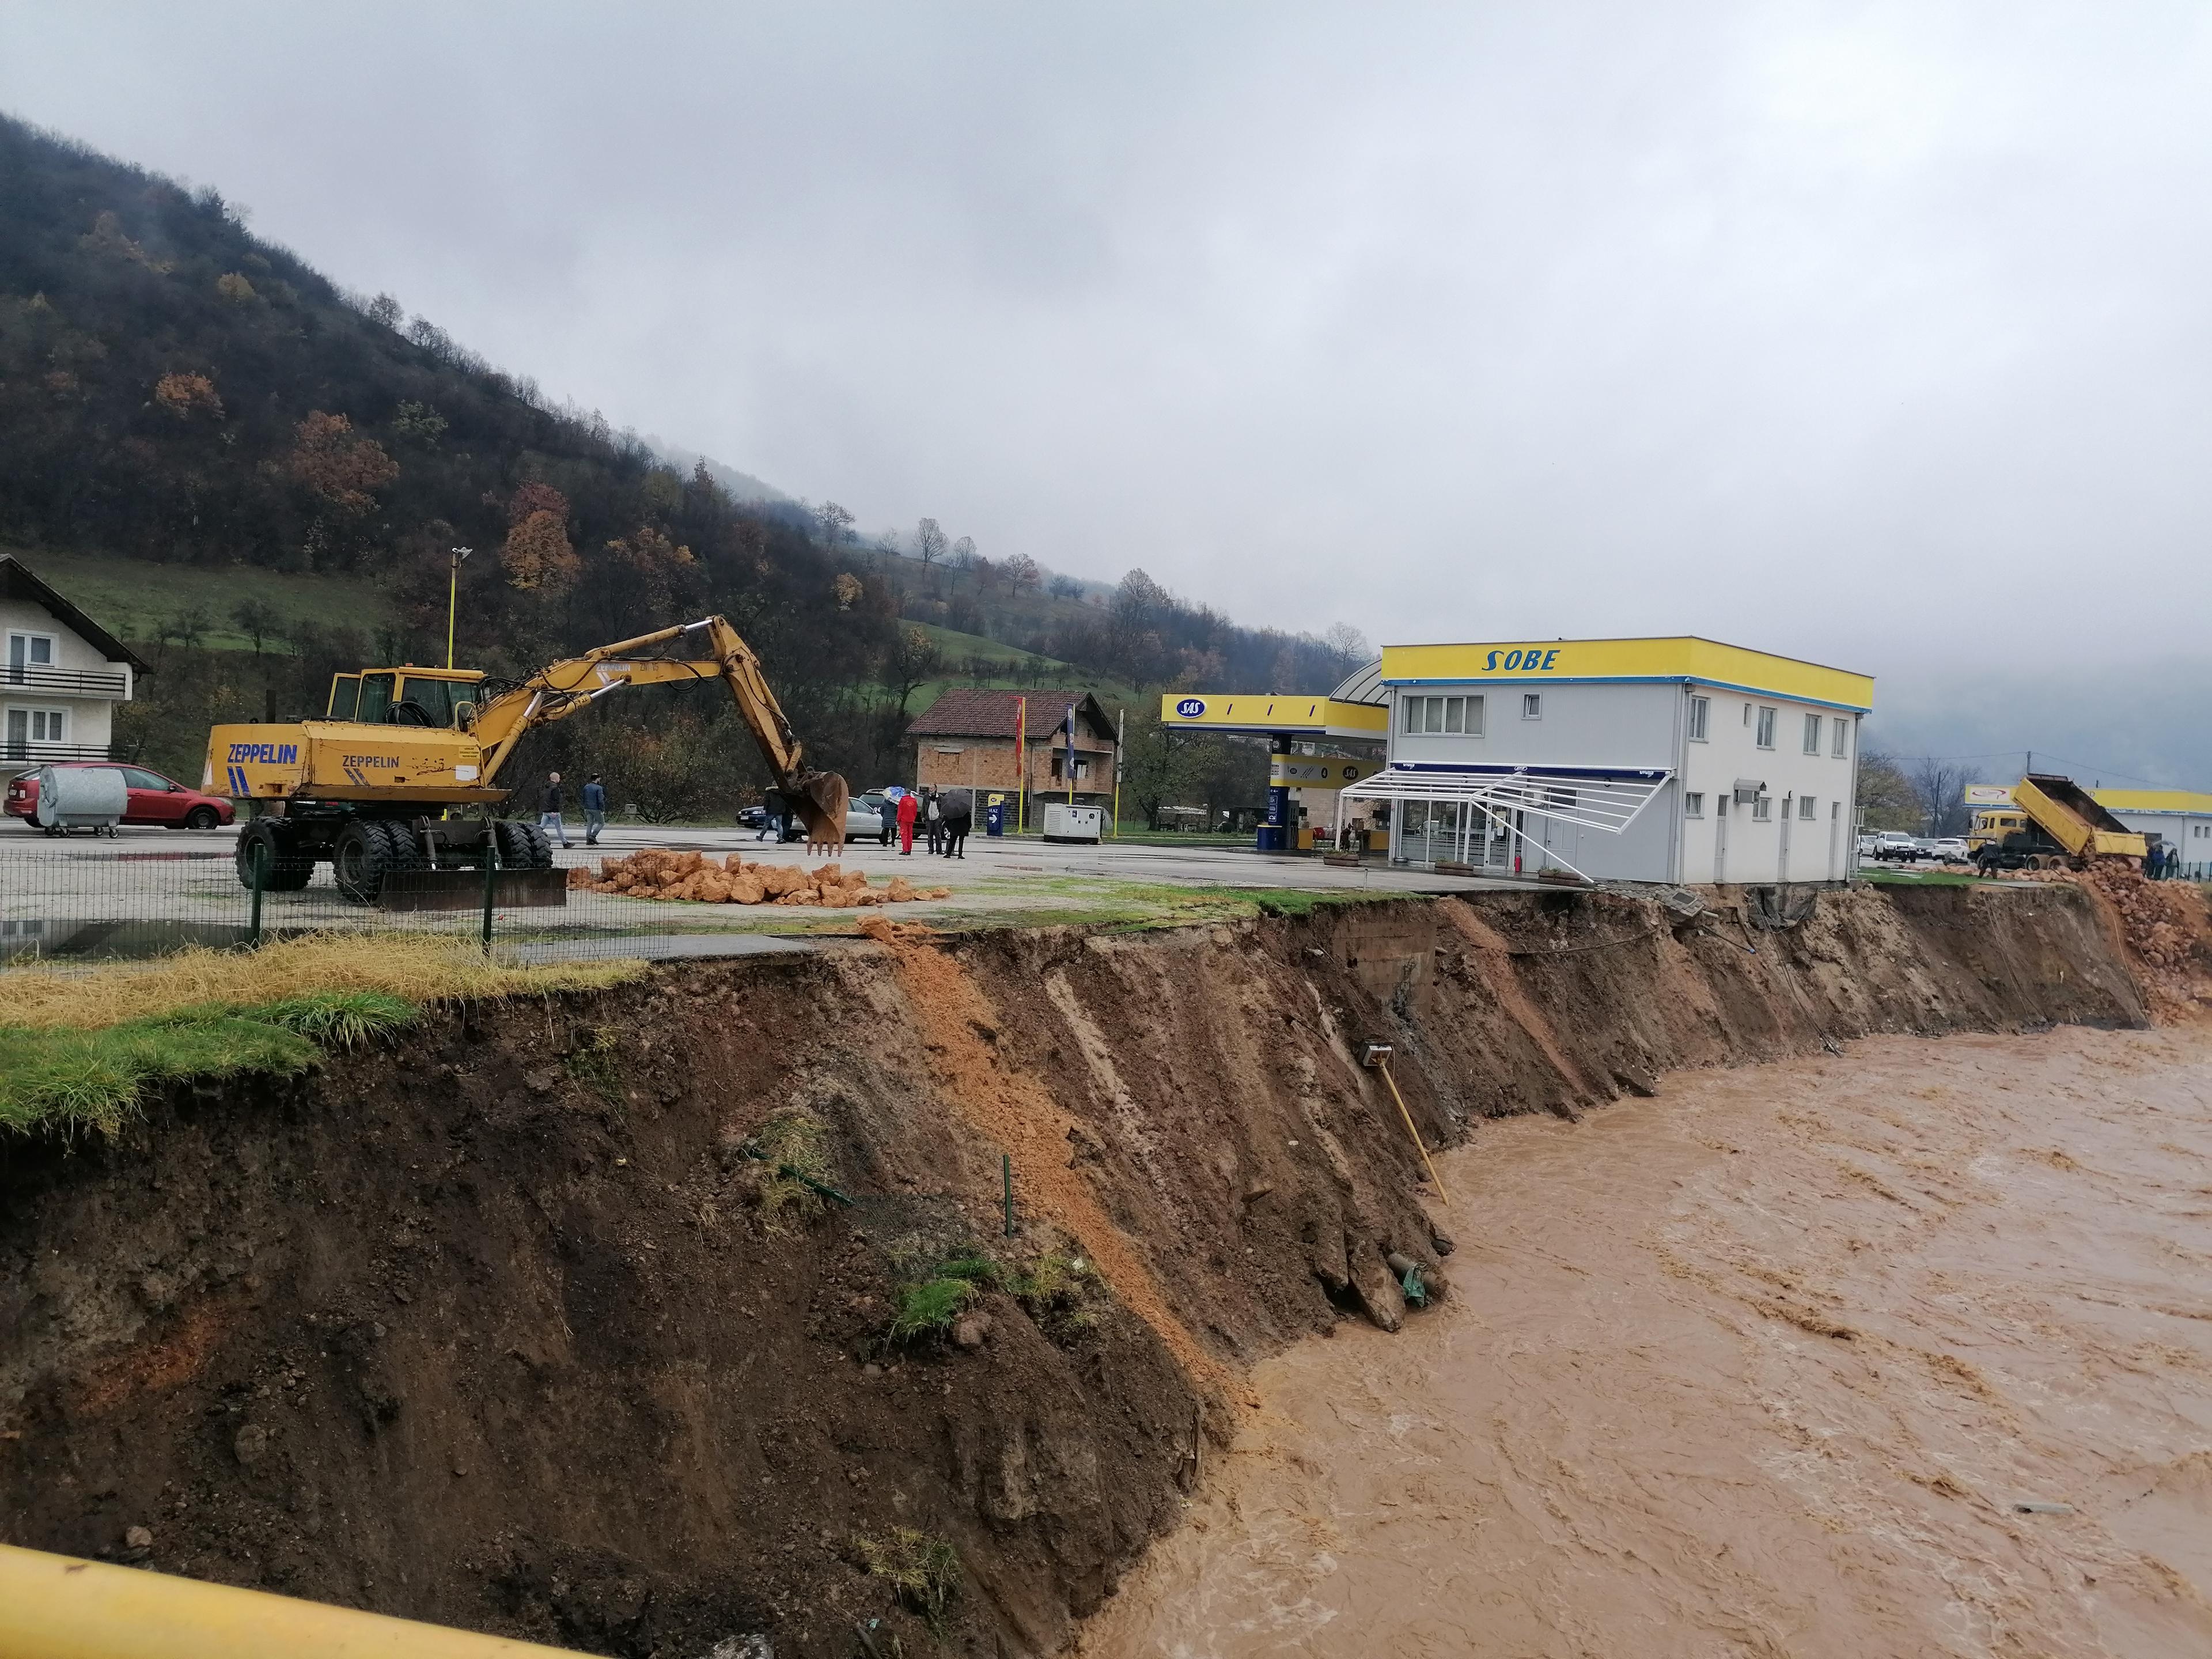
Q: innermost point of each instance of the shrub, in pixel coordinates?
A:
(923, 1568)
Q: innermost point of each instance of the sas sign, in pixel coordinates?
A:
(1536, 657)
(1190, 707)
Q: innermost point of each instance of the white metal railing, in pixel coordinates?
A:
(1592, 797)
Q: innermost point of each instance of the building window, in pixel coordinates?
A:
(28, 651)
(1805, 804)
(1701, 714)
(1532, 706)
(1763, 808)
(1693, 805)
(1765, 728)
(1443, 717)
(28, 725)
(1843, 738)
(1812, 734)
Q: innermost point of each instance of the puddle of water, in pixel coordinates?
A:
(1764, 1365)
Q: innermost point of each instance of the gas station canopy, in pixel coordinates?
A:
(1263, 714)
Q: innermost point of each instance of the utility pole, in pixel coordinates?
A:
(452, 597)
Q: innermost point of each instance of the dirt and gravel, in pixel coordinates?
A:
(499, 1327)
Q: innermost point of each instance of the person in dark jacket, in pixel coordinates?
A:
(959, 817)
(772, 813)
(595, 810)
(888, 816)
(932, 814)
(549, 811)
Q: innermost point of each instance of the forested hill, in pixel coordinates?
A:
(175, 390)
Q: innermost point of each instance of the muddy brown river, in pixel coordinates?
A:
(1907, 1352)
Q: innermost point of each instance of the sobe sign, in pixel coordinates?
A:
(1191, 708)
(1537, 657)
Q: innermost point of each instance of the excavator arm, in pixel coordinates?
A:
(574, 684)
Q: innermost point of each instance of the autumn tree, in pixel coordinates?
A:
(341, 468)
(659, 573)
(1022, 573)
(1886, 798)
(234, 286)
(180, 394)
(536, 554)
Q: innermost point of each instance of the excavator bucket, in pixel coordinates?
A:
(822, 799)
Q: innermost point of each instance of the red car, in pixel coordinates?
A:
(154, 798)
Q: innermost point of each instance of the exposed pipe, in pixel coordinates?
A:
(58, 1607)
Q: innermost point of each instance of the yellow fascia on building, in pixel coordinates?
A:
(2193, 802)
(1685, 658)
(1263, 713)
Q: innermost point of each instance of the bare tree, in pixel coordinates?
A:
(1886, 798)
(929, 541)
(963, 553)
(912, 662)
(836, 522)
(1941, 787)
(1023, 572)
(1348, 647)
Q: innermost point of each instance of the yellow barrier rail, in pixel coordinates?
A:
(54, 1606)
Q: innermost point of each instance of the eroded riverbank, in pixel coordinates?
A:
(1766, 1365)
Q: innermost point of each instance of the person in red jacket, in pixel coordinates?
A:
(908, 807)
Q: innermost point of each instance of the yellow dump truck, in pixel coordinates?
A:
(371, 786)
(2063, 824)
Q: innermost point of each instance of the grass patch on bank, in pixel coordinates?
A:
(78, 1051)
(416, 969)
(921, 1567)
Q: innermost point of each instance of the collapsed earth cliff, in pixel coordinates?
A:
(540, 1321)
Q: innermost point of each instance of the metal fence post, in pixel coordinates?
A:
(491, 875)
(260, 862)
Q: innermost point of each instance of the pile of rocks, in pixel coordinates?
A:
(659, 874)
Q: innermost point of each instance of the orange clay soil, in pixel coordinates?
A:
(1014, 1111)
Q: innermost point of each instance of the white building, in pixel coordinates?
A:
(62, 676)
(2180, 819)
(1660, 760)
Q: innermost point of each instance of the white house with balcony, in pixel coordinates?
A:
(1660, 760)
(61, 678)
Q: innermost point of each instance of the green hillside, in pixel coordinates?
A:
(138, 600)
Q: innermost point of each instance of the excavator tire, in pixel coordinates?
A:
(522, 846)
(285, 872)
(362, 858)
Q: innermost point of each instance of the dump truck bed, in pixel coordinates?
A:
(2069, 816)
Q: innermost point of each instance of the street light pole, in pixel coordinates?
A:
(452, 597)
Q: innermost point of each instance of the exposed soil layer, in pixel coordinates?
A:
(500, 1327)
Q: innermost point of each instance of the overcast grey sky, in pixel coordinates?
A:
(1878, 334)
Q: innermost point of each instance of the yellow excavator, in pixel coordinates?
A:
(370, 785)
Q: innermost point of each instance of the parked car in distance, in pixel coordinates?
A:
(755, 819)
(1952, 849)
(864, 817)
(153, 800)
(1866, 846)
(1895, 845)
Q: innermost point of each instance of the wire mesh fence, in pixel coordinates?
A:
(84, 902)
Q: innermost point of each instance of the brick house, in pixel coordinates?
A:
(966, 739)
(61, 678)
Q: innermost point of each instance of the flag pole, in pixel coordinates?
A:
(1021, 761)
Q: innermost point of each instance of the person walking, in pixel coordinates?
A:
(549, 811)
(909, 809)
(595, 810)
(771, 816)
(959, 818)
(935, 814)
(887, 814)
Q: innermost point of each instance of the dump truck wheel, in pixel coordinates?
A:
(286, 872)
(361, 859)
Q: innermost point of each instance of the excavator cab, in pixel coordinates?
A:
(443, 698)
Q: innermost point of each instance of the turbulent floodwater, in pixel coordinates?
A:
(1764, 1365)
